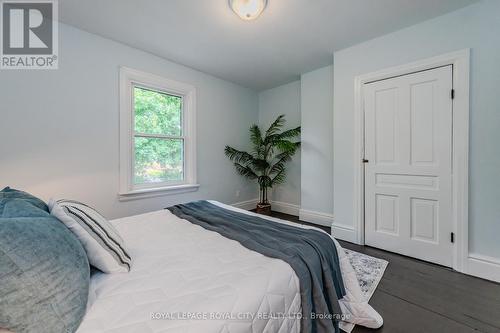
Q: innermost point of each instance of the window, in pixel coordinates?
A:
(157, 135)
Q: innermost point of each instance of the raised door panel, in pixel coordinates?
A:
(386, 127)
(423, 147)
(424, 220)
(387, 214)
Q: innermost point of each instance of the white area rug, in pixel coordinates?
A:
(369, 271)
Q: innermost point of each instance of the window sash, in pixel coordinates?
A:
(163, 183)
(136, 134)
(159, 91)
(158, 136)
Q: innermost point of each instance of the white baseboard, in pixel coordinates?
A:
(484, 267)
(246, 205)
(277, 206)
(316, 217)
(285, 208)
(339, 231)
(344, 232)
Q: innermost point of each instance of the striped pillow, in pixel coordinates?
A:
(104, 246)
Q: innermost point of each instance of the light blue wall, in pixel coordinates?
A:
(273, 102)
(59, 129)
(476, 27)
(317, 140)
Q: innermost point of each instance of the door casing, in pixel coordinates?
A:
(460, 60)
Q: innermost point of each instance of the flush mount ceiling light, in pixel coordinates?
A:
(248, 9)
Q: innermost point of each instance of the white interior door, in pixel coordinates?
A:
(408, 145)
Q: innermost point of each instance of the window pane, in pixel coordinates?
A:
(157, 113)
(158, 160)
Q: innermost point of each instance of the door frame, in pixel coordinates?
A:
(460, 60)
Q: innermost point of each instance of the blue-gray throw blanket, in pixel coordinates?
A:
(311, 253)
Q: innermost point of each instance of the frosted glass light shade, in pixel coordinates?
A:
(248, 9)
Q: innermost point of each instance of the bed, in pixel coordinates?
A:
(185, 278)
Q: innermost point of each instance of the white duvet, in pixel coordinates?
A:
(188, 279)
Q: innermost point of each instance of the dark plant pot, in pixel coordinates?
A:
(264, 209)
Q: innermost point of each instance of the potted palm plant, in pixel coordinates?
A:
(267, 159)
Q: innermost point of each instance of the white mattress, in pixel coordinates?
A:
(196, 280)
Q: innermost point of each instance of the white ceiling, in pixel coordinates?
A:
(290, 38)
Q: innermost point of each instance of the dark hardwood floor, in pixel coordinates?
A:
(417, 296)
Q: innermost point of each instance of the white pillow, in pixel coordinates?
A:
(104, 246)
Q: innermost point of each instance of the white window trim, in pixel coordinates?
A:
(128, 78)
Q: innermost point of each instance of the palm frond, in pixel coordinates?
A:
(245, 171)
(277, 167)
(288, 134)
(280, 164)
(279, 178)
(238, 156)
(255, 135)
(275, 126)
(287, 146)
(286, 156)
(258, 147)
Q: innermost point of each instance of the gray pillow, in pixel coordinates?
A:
(44, 271)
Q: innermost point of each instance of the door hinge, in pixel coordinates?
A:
(364, 160)
(452, 93)
(452, 237)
